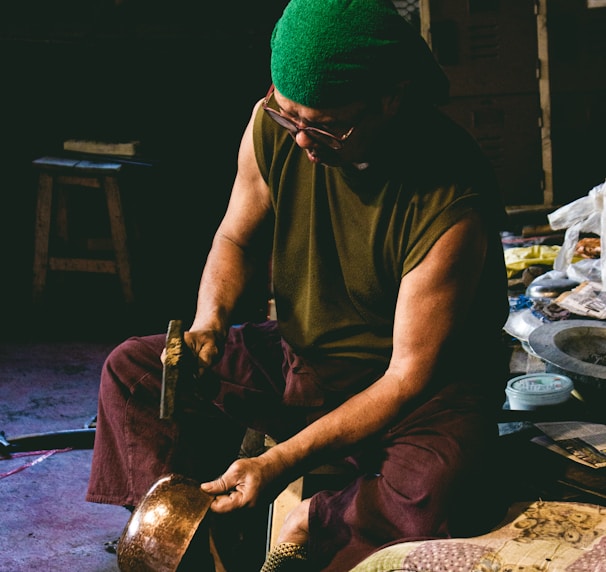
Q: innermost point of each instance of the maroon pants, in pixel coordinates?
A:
(428, 476)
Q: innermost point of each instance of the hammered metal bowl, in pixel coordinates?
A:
(162, 525)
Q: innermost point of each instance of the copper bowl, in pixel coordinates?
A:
(162, 525)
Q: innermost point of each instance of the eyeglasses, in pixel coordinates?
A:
(331, 140)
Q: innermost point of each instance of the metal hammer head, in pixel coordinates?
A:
(175, 348)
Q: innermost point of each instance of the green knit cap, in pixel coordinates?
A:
(328, 53)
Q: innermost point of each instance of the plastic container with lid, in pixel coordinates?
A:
(528, 392)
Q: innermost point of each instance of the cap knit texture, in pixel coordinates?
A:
(328, 53)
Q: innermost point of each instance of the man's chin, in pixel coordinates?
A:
(324, 158)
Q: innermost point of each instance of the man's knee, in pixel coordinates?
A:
(134, 358)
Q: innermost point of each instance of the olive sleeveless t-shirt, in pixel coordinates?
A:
(344, 237)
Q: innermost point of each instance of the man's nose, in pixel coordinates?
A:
(303, 140)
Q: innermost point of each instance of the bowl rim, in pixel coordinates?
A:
(541, 341)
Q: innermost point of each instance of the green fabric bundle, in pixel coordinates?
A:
(328, 53)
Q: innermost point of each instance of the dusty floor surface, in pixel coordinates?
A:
(46, 524)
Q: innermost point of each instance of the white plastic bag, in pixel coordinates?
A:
(586, 270)
(588, 215)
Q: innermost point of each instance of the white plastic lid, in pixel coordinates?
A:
(536, 389)
(542, 383)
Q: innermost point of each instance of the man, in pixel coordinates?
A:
(381, 218)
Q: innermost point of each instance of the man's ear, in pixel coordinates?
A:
(391, 102)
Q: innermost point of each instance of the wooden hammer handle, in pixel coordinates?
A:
(175, 347)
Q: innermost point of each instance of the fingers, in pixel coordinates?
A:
(225, 500)
(216, 487)
(206, 346)
(208, 354)
(228, 502)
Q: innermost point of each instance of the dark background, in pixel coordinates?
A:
(179, 76)
(182, 77)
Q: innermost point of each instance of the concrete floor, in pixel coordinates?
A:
(46, 524)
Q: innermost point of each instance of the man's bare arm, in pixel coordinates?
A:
(432, 299)
(240, 244)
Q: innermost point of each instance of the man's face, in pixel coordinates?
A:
(348, 124)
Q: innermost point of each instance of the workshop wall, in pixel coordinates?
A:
(527, 81)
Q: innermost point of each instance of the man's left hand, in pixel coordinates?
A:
(240, 486)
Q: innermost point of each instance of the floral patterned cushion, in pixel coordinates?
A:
(538, 537)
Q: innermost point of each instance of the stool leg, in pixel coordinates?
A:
(118, 230)
(43, 219)
(61, 217)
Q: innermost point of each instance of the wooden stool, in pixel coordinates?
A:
(87, 174)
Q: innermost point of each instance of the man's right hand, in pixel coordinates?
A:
(206, 346)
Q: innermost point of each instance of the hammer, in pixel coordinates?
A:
(179, 371)
(172, 370)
